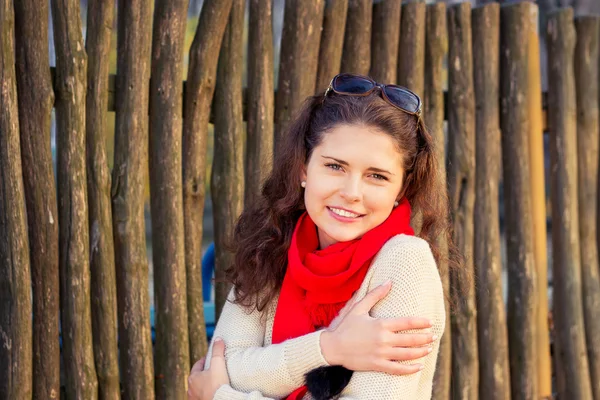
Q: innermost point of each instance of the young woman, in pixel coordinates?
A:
(331, 287)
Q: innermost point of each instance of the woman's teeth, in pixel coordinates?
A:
(344, 213)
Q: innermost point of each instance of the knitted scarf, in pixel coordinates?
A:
(318, 283)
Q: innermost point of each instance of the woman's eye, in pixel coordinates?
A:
(335, 167)
(379, 177)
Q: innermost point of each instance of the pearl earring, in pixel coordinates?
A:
(303, 184)
(396, 204)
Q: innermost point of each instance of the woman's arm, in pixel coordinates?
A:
(416, 291)
(276, 370)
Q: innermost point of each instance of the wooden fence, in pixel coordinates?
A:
(77, 249)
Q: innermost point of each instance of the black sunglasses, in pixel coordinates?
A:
(359, 85)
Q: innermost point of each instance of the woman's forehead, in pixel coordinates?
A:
(359, 143)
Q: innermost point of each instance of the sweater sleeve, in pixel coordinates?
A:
(226, 392)
(416, 291)
(274, 370)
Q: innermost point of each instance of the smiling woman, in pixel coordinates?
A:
(352, 180)
(333, 294)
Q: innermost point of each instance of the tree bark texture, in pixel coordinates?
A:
(227, 180)
(494, 377)
(461, 182)
(586, 81)
(261, 103)
(385, 40)
(356, 55)
(436, 48)
(538, 205)
(102, 258)
(332, 42)
(200, 87)
(71, 87)
(129, 177)
(411, 57)
(15, 278)
(570, 349)
(299, 57)
(521, 307)
(166, 187)
(36, 100)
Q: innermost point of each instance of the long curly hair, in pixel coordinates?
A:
(263, 233)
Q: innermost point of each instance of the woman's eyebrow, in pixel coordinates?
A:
(341, 162)
(345, 163)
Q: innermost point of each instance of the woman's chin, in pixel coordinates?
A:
(344, 236)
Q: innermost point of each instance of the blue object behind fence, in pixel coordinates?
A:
(208, 268)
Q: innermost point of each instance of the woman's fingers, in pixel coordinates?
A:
(372, 298)
(218, 349)
(407, 354)
(198, 366)
(411, 339)
(395, 368)
(406, 323)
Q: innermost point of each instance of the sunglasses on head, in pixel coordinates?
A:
(358, 85)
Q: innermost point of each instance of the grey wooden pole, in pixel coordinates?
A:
(129, 177)
(522, 303)
(570, 354)
(586, 81)
(461, 182)
(261, 103)
(71, 87)
(166, 191)
(227, 180)
(15, 279)
(385, 39)
(36, 99)
(494, 380)
(436, 48)
(102, 251)
(200, 88)
(332, 42)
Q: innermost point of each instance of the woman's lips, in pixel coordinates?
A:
(342, 218)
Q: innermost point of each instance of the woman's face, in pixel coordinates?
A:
(352, 180)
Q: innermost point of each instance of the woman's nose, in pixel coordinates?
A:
(351, 190)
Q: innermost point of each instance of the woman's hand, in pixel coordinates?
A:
(360, 342)
(203, 384)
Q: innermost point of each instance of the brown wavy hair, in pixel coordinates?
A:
(263, 233)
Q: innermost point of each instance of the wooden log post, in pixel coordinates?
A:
(332, 42)
(411, 55)
(522, 304)
(586, 81)
(494, 378)
(15, 278)
(129, 177)
(570, 349)
(461, 182)
(436, 48)
(166, 190)
(356, 55)
(385, 39)
(36, 99)
(260, 103)
(227, 180)
(299, 56)
(200, 87)
(71, 87)
(538, 205)
(102, 258)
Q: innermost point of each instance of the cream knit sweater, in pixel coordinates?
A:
(259, 370)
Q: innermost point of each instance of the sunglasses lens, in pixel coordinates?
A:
(404, 99)
(352, 84)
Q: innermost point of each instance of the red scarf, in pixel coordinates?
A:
(318, 283)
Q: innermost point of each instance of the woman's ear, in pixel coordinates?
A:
(303, 174)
